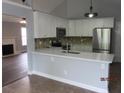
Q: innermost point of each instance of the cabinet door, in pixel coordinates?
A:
(84, 27)
(52, 32)
(62, 23)
(40, 25)
(98, 23)
(58, 22)
(104, 22)
(72, 28)
(44, 25)
(79, 27)
(36, 26)
(108, 22)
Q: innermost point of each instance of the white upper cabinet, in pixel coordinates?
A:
(84, 27)
(62, 23)
(36, 26)
(42, 25)
(105, 22)
(108, 22)
(72, 28)
(51, 28)
(45, 25)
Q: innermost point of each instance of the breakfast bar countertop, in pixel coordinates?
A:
(88, 56)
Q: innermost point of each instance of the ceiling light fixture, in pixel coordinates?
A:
(23, 21)
(91, 14)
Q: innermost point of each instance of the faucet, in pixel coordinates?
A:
(67, 45)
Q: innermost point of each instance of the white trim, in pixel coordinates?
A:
(16, 4)
(81, 85)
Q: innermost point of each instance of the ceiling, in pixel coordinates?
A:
(17, 1)
(8, 18)
(76, 8)
(105, 8)
(46, 5)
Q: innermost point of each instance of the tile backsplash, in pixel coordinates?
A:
(77, 43)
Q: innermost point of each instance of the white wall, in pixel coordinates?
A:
(117, 41)
(13, 30)
(61, 10)
(27, 2)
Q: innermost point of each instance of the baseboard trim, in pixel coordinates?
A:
(81, 85)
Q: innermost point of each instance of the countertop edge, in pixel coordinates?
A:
(84, 59)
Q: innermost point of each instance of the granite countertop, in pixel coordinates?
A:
(87, 56)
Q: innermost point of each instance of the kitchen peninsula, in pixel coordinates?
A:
(79, 66)
(86, 70)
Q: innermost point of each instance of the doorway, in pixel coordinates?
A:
(14, 49)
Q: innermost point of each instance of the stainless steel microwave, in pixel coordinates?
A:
(60, 32)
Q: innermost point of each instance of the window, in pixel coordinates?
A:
(24, 36)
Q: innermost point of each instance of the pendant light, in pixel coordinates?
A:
(91, 13)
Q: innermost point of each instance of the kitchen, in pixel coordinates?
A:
(63, 50)
(56, 53)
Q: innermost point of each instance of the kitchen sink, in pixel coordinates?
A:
(72, 52)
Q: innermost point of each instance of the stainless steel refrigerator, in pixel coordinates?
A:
(102, 40)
